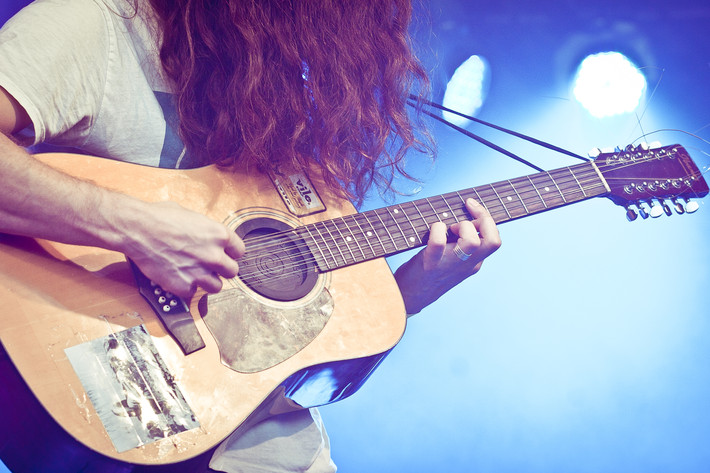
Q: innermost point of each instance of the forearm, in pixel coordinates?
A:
(38, 201)
(418, 288)
(178, 248)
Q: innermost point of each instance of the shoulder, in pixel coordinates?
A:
(57, 22)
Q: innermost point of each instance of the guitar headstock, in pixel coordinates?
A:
(652, 180)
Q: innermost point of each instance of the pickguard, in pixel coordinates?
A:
(277, 305)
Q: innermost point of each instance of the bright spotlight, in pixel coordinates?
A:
(465, 91)
(608, 84)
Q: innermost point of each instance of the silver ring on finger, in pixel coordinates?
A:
(461, 254)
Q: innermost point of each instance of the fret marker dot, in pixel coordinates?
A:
(445, 214)
(547, 189)
(509, 198)
(369, 234)
(348, 239)
(396, 211)
(412, 239)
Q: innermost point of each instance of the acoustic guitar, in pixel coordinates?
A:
(144, 377)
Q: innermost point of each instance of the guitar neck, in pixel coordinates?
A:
(389, 230)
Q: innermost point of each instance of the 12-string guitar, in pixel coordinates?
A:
(141, 376)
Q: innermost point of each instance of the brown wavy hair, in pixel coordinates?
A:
(287, 82)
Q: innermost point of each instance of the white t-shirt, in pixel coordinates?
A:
(88, 74)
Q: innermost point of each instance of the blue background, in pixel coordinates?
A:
(582, 345)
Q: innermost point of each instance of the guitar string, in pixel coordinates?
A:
(575, 184)
(402, 238)
(509, 206)
(494, 198)
(398, 241)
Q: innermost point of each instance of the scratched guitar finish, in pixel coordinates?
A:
(317, 287)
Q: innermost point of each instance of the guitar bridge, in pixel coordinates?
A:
(172, 311)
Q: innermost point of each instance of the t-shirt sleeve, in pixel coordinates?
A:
(53, 59)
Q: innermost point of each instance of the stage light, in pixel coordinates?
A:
(608, 84)
(466, 90)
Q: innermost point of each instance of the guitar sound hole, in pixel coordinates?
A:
(277, 264)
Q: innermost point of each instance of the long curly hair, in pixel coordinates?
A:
(289, 82)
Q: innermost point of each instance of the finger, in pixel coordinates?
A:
(235, 247)
(228, 267)
(476, 210)
(468, 236)
(485, 225)
(436, 244)
(210, 282)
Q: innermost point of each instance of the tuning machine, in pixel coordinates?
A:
(634, 210)
(631, 213)
(683, 205)
(659, 207)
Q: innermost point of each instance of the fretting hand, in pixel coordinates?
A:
(441, 265)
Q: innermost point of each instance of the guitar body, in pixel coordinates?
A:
(59, 296)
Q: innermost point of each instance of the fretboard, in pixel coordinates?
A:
(389, 230)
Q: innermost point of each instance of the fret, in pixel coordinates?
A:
(557, 187)
(435, 213)
(344, 240)
(451, 211)
(525, 207)
(493, 204)
(501, 201)
(392, 214)
(546, 187)
(441, 214)
(538, 192)
(365, 235)
(506, 193)
(464, 211)
(334, 242)
(387, 228)
(421, 215)
(352, 238)
(325, 265)
(374, 232)
(415, 234)
(528, 194)
(479, 199)
(577, 181)
(592, 181)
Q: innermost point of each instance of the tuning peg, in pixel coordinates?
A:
(642, 210)
(631, 214)
(666, 207)
(678, 206)
(691, 206)
(656, 210)
(686, 206)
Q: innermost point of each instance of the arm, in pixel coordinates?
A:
(436, 269)
(38, 201)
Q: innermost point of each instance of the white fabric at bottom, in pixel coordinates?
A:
(287, 443)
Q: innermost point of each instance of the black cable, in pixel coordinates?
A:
(495, 127)
(480, 140)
